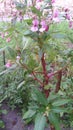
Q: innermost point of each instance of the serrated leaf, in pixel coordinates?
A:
(60, 102)
(53, 119)
(29, 114)
(40, 122)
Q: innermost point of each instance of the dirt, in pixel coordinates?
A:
(13, 121)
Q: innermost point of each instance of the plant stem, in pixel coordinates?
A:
(46, 79)
(59, 81)
(4, 57)
(35, 78)
(52, 127)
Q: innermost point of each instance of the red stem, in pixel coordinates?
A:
(35, 78)
(46, 79)
(52, 127)
(59, 81)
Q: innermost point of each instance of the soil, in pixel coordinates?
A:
(13, 121)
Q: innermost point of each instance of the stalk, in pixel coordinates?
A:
(4, 58)
(52, 127)
(59, 81)
(46, 79)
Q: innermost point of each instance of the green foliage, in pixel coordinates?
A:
(40, 122)
(54, 120)
(31, 82)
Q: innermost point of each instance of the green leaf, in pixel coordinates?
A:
(4, 111)
(36, 11)
(40, 122)
(60, 102)
(53, 119)
(2, 124)
(59, 110)
(52, 97)
(29, 114)
(59, 36)
(40, 97)
(11, 52)
(20, 85)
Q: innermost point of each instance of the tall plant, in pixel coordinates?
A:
(43, 60)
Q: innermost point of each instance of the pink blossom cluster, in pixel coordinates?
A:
(8, 64)
(5, 36)
(39, 26)
(69, 17)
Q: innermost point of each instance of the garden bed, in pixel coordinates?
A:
(13, 120)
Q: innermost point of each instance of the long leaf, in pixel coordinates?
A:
(53, 119)
(40, 97)
(60, 102)
(40, 122)
(29, 114)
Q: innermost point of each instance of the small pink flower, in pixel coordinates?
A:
(68, 16)
(6, 33)
(55, 13)
(56, 20)
(43, 23)
(2, 35)
(53, 1)
(35, 22)
(38, 7)
(8, 39)
(70, 24)
(8, 64)
(38, 0)
(50, 75)
(66, 9)
(44, 27)
(34, 28)
(18, 57)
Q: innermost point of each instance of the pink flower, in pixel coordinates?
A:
(56, 20)
(34, 28)
(6, 33)
(53, 1)
(68, 16)
(66, 9)
(18, 57)
(70, 24)
(35, 22)
(44, 27)
(55, 13)
(38, 6)
(2, 35)
(8, 64)
(38, 0)
(8, 39)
